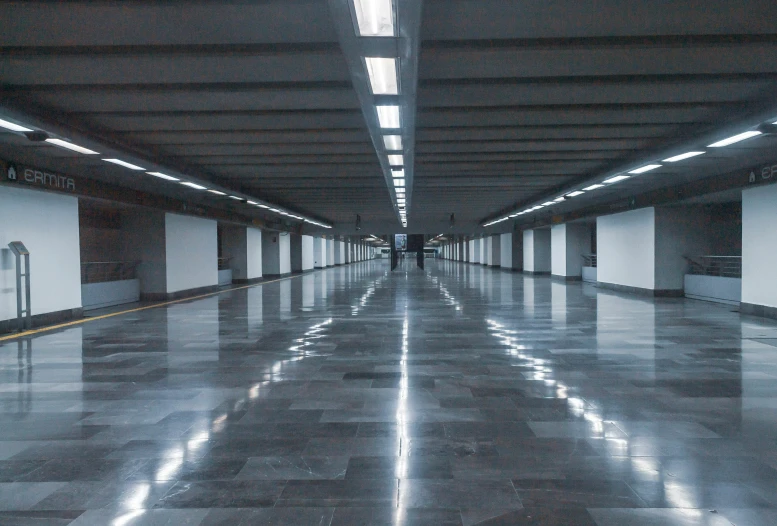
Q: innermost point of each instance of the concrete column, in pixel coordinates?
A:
(295, 252)
(244, 246)
(276, 254)
(330, 252)
(536, 251)
(568, 244)
(48, 225)
(476, 250)
(485, 250)
(759, 251)
(339, 252)
(642, 250)
(506, 248)
(495, 259)
(319, 252)
(308, 259)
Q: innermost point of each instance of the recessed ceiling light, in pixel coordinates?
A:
(575, 193)
(559, 199)
(71, 146)
(263, 206)
(547, 203)
(645, 169)
(13, 127)
(399, 182)
(616, 179)
(593, 187)
(397, 173)
(193, 185)
(515, 215)
(735, 139)
(396, 160)
(383, 75)
(252, 203)
(682, 157)
(124, 164)
(216, 192)
(392, 142)
(163, 176)
(236, 198)
(388, 116)
(273, 210)
(375, 18)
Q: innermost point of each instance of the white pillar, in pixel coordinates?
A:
(568, 244)
(759, 251)
(330, 252)
(536, 251)
(276, 255)
(244, 246)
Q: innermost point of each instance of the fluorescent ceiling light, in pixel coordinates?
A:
(396, 160)
(399, 182)
(547, 203)
(71, 146)
(124, 164)
(735, 139)
(616, 179)
(645, 169)
(236, 198)
(375, 18)
(13, 127)
(392, 142)
(593, 187)
(193, 185)
(388, 116)
(397, 173)
(273, 210)
(263, 206)
(163, 176)
(515, 215)
(575, 193)
(682, 157)
(383, 75)
(252, 203)
(559, 199)
(216, 192)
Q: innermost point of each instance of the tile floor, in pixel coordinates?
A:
(459, 396)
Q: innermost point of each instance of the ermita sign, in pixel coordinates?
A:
(35, 177)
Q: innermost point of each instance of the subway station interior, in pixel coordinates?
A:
(388, 262)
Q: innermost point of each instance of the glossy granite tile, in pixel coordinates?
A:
(461, 395)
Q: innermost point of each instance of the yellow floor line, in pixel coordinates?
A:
(155, 306)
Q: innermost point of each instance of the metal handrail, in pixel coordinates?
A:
(103, 271)
(590, 260)
(721, 266)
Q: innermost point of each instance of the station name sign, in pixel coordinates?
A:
(763, 174)
(35, 177)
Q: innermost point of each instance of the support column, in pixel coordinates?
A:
(243, 245)
(642, 250)
(319, 252)
(568, 245)
(276, 254)
(295, 252)
(495, 242)
(330, 252)
(485, 250)
(759, 251)
(536, 251)
(339, 252)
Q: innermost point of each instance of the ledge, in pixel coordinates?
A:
(763, 311)
(655, 293)
(42, 320)
(557, 277)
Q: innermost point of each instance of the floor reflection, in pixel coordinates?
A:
(456, 395)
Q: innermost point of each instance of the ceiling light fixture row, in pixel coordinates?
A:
(376, 18)
(637, 171)
(14, 127)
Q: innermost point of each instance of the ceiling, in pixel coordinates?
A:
(515, 100)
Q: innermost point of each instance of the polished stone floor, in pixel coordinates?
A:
(459, 395)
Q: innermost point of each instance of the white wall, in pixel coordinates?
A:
(308, 261)
(558, 250)
(528, 250)
(626, 245)
(254, 253)
(506, 256)
(568, 244)
(284, 246)
(330, 252)
(47, 224)
(191, 252)
(759, 245)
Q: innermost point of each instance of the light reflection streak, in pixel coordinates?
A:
(127, 518)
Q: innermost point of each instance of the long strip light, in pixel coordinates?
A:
(383, 75)
(644, 169)
(735, 139)
(396, 160)
(8, 125)
(193, 185)
(374, 18)
(216, 192)
(616, 179)
(124, 164)
(163, 176)
(683, 156)
(593, 187)
(388, 116)
(71, 146)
